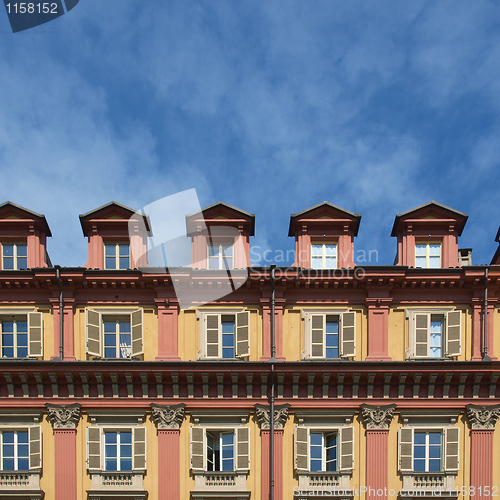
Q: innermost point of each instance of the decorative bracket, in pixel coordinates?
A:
(377, 417)
(483, 417)
(63, 416)
(167, 417)
(262, 412)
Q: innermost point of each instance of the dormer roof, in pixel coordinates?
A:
(11, 212)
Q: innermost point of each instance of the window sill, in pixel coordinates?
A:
(429, 482)
(333, 480)
(20, 484)
(220, 481)
(124, 482)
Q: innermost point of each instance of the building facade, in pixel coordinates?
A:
(123, 380)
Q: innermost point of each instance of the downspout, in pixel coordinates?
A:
(61, 313)
(272, 360)
(485, 316)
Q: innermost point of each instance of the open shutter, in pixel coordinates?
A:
(243, 448)
(35, 334)
(405, 449)
(348, 334)
(317, 322)
(136, 322)
(346, 448)
(93, 448)
(451, 439)
(243, 333)
(139, 436)
(35, 438)
(453, 333)
(301, 448)
(422, 328)
(212, 322)
(93, 332)
(198, 448)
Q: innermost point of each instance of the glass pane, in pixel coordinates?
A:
(8, 463)
(8, 263)
(332, 353)
(22, 352)
(213, 263)
(8, 438)
(434, 250)
(123, 250)
(419, 465)
(110, 263)
(22, 251)
(22, 437)
(23, 464)
(228, 327)
(315, 465)
(22, 263)
(332, 340)
(109, 327)
(22, 450)
(435, 438)
(22, 326)
(8, 339)
(110, 250)
(435, 452)
(124, 263)
(419, 438)
(126, 438)
(213, 250)
(227, 353)
(332, 327)
(316, 262)
(126, 464)
(330, 262)
(434, 262)
(228, 465)
(316, 439)
(316, 452)
(331, 250)
(434, 465)
(420, 262)
(124, 327)
(110, 464)
(110, 340)
(110, 438)
(227, 250)
(420, 250)
(8, 352)
(22, 340)
(228, 263)
(8, 250)
(228, 340)
(419, 452)
(316, 250)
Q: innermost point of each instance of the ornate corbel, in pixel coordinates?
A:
(483, 417)
(262, 412)
(167, 417)
(377, 417)
(63, 416)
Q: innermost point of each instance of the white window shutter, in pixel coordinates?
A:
(243, 334)
(451, 451)
(35, 334)
(242, 448)
(348, 345)
(94, 448)
(213, 340)
(317, 322)
(405, 449)
(35, 447)
(198, 448)
(454, 333)
(347, 448)
(301, 451)
(139, 448)
(422, 323)
(137, 326)
(93, 332)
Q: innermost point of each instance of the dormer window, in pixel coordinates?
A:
(428, 255)
(324, 256)
(221, 255)
(14, 256)
(117, 255)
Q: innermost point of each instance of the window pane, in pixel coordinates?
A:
(22, 352)
(227, 250)
(8, 340)
(124, 263)
(110, 263)
(23, 464)
(8, 463)
(228, 263)
(22, 263)
(420, 262)
(434, 262)
(330, 262)
(331, 250)
(110, 250)
(434, 465)
(22, 251)
(419, 465)
(419, 438)
(126, 464)
(316, 452)
(8, 250)
(8, 263)
(8, 352)
(317, 262)
(227, 353)
(213, 250)
(435, 438)
(315, 465)
(22, 437)
(213, 263)
(123, 250)
(110, 464)
(316, 250)
(419, 452)
(420, 250)
(124, 326)
(22, 326)
(316, 439)
(435, 250)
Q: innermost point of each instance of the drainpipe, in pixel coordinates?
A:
(485, 316)
(61, 313)
(271, 410)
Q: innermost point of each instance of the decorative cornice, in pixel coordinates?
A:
(167, 417)
(483, 417)
(262, 412)
(63, 416)
(377, 417)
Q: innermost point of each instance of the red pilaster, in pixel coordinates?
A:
(279, 307)
(278, 464)
(168, 464)
(168, 315)
(378, 329)
(265, 444)
(376, 463)
(481, 462)
(69, 335)
(477, 325)
(65, 464)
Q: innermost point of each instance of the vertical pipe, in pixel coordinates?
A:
(485, 316)
(271, 409)
(61, 314)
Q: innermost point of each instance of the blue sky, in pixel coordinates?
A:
(273, 107)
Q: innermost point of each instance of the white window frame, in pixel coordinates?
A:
(14, 257)
(220, 256)
(117, 255)
(324, 435)
(428, 256)
(324, 254)
(451, 335)
(34, 320)
(34, 445)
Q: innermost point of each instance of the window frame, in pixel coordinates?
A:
(428, 256)
(324, 254)
(212, 243)
(35, 331)
(14, 257)
(34, 446)
(117, 244)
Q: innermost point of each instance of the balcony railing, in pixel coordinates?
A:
(428, 483)
(220, 481)
(320, 480)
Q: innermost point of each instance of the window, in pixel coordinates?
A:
(116, 449)
(428, 449)
(225, 450)
(434, 334)
(324, 256)
(14, 256)
(224, 335)
(117, 255)
(221, 256)
(114, 334)
(324, 450)
(329, 334)
(20, 449)
(21, 335)
(428, 255)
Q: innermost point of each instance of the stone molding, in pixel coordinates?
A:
(377, 417)
(167, 417)
(262, 412)
(63, 416)
(483, 417)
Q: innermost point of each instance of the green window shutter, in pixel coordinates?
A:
(454, 333)
(93, 332)
(451, 452)
(93, 448)
(405, 449)
(136, 324)
(347, 448)
(35, 334)
(243, 333)
(348, 345)
(243, 448)
(301, 448)
(317, 322)
(35, 438)
(422, 329)
(198, 448)
(212, 335)
(139, 439)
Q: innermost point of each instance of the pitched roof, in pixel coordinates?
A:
(34, 215)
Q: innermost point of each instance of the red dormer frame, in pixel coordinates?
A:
(324, 223)
(429, 223)
(222, 223)
(20, 225)
(110, 223)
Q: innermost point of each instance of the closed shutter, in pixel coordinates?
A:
(35, 437)
(93, 332)
(198, 448)
(452, 435)
(453, 333)
(137, 321)
(35, 334)
(243, 334)
(317, 322)
(301, 448)
(93, 448)
(405, 449)
(243, 448)
(212, 335)
(139, 437)
(348, 348)
(346, 448)
(422, 327)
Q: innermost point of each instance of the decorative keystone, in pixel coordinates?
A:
(262, 412)
(63, 416)
(377, 417)
(483, 417)
(167, 417)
